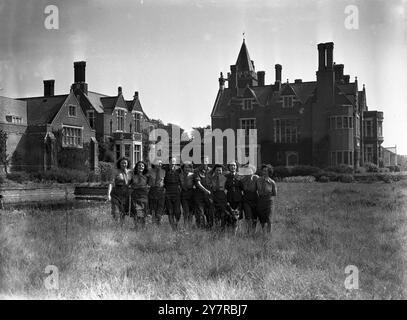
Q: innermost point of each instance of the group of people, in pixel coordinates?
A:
(216, 198)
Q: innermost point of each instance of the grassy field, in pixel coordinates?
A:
(318, 229)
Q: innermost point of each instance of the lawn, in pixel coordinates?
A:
(318, 230)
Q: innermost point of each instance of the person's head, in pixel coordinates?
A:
(218, 169)
(251, 169)
(205, 161)
(123, 163)
(140, 168)
(266, 170)
(187, 167)
(173, 162)
(232, 167)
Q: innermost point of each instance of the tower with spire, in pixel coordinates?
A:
(243, 73)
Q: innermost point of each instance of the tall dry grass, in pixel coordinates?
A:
(318, 229)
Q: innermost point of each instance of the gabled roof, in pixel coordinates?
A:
(108, 102)
(42, 110)
(94, 99)
(345, 93)
(243, 62)
(287, 90)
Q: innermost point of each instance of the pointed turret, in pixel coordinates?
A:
(243, 62)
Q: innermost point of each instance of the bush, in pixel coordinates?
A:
(304, 171)
(107, 170)
(94, 177)
(18, 176)
(343, 168)
(346, 178)
(397, 169)
(281, 172)
(332, 176)
(360, 170)
(61, 175)
(323, 179)
(371, 167)
(307, 179)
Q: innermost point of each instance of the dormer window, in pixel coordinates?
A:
(247, 104)
(72, 110)
(288, 101)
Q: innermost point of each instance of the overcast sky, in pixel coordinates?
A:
(173, 51)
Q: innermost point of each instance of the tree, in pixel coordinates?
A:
(4, 156)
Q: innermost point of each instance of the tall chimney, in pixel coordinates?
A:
(135, 95)
(221, 82)
(338, 68)
(79, 67)
(329, 55)
(278, 68)
(119, 91)
(49, 88)
(260, 78)
(321, 56)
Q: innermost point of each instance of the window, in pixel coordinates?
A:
(137, 152)
(247, 124)
(72, 137)
(111, 127)
(91, 118)
(368, 154)
(357, 126)
(285, 131)
(380, 128)
(288, 101)
(137, 122)
(367, 128)
(338, 122)
(127, 150)
(14, 119)
(118, 151)
(345, 122)
(120, 120)
(341, 157)
(72, 110)
(350, 122)
(247, 104)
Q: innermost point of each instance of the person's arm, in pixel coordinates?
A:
(274, 194)
(109, 189)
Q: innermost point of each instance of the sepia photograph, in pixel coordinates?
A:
(219, 152)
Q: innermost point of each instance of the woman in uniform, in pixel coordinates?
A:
(187, 189)
(139, 195)
(118, 191)
(266, 189)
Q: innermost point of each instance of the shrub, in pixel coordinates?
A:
(304, 171)
(323, 179)
(346, 178)
(397, 169)
(371, 167)
(61, 175)
(106, 171)
(282, 172)
(18, 176)
(332, 176)
(361, 170)
(343, 168)
(307, 179)
(94, 177)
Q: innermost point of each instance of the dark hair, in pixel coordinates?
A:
(234, 162)
(269, 169)
(187, 165)
(218, 166)
(120, 160)
(145, 167)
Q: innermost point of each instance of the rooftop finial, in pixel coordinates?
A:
(243, 36)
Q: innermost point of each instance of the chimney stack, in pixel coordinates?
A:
(79, 67)
(338, 68)
(135, 95)
(321, 56)
(278, 68)
(221, 82)
(260, 78)
(329, 46)
(49, 86)
(119, 91)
